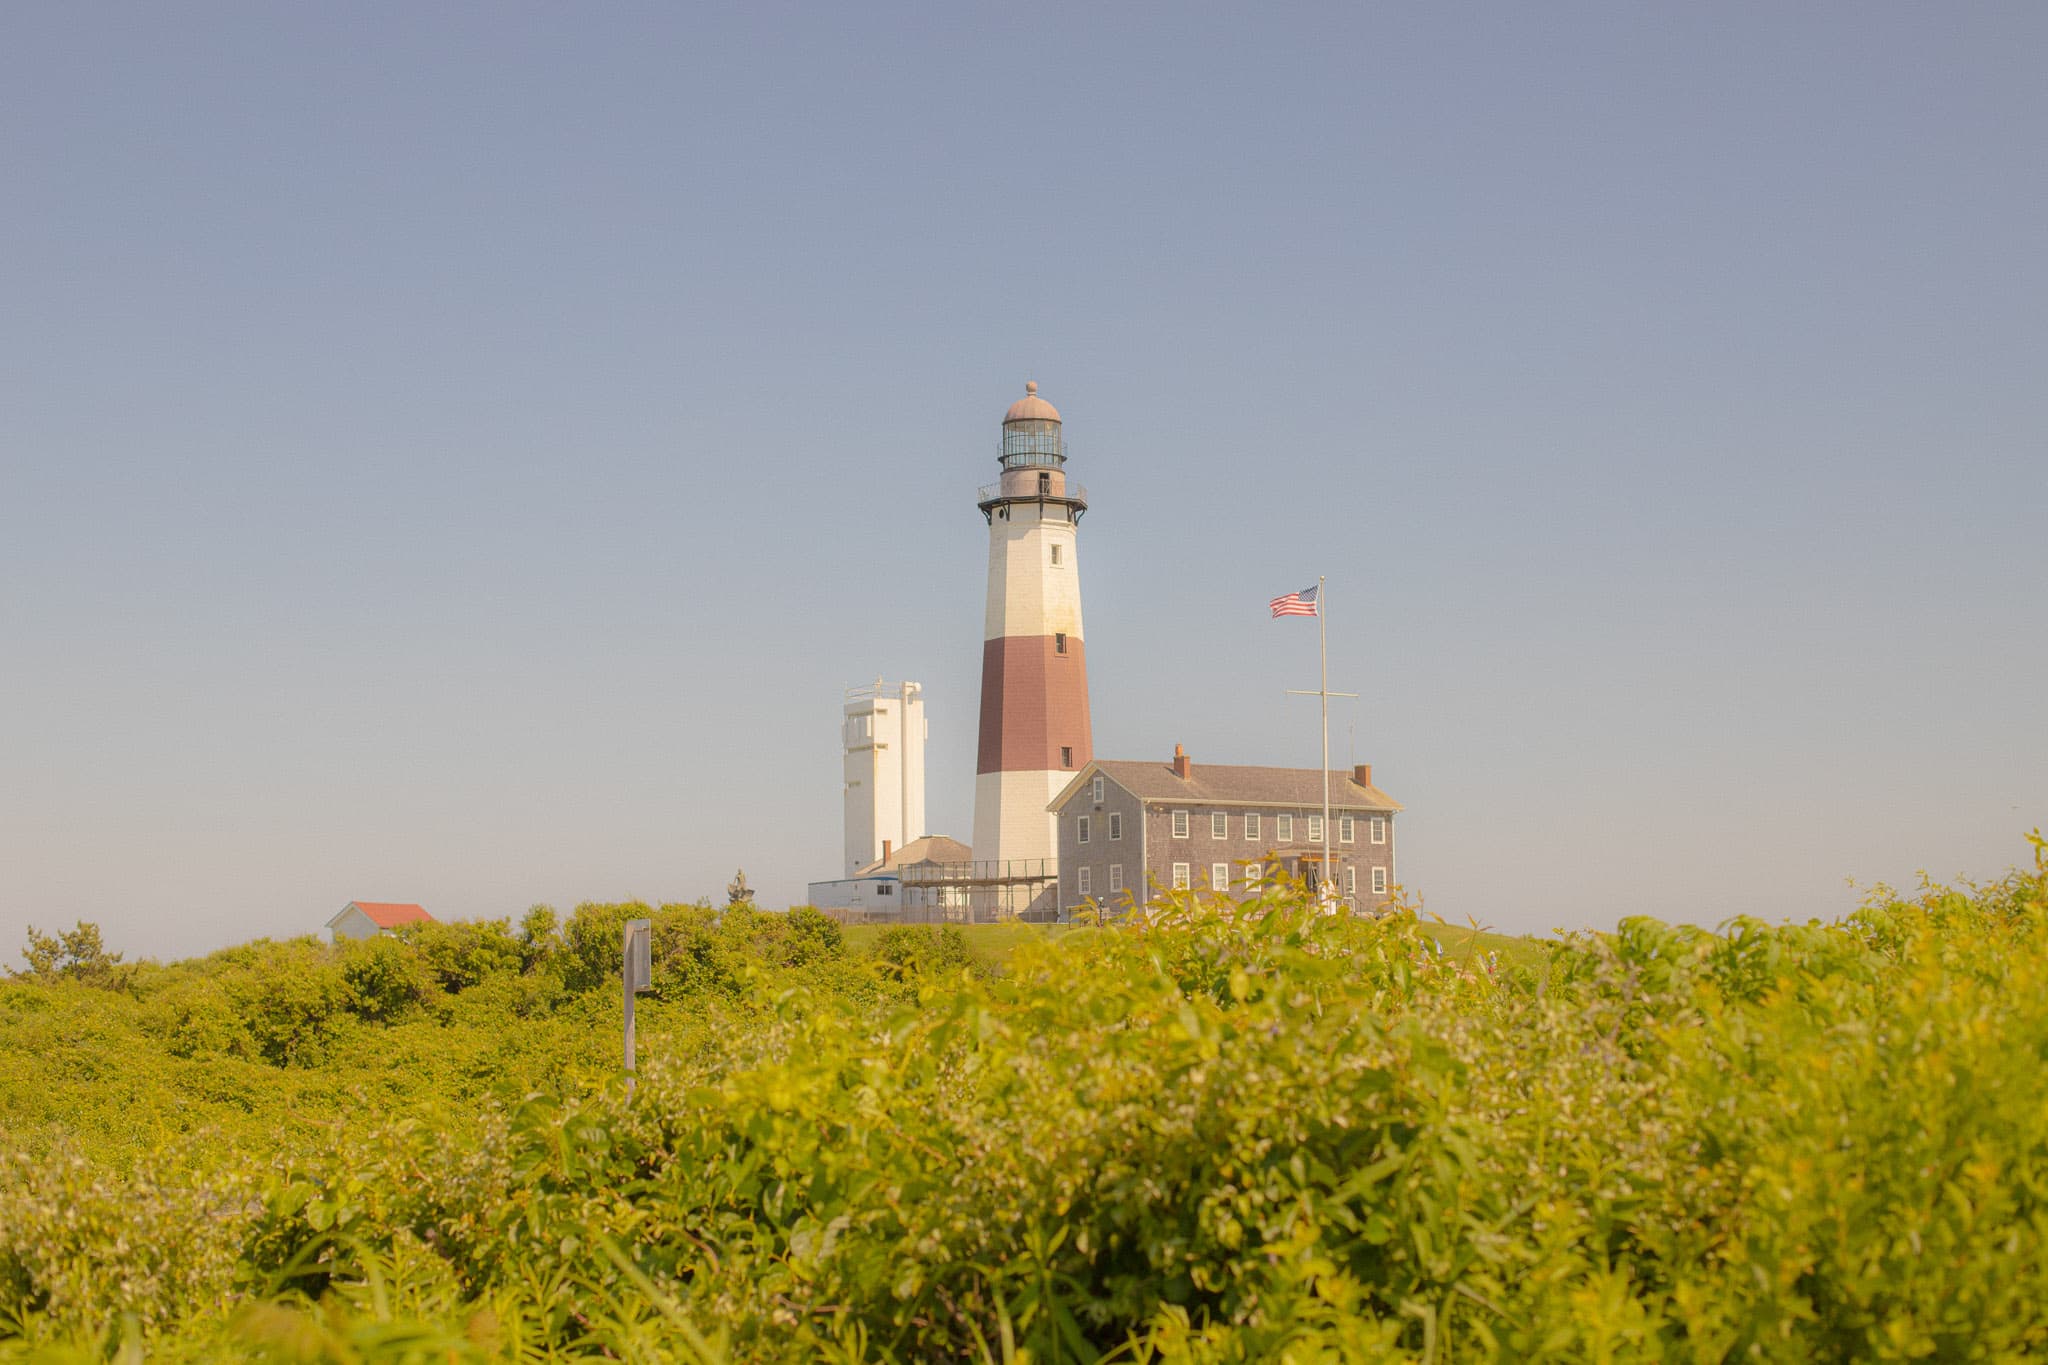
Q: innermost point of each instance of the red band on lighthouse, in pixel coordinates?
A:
(1034, 705)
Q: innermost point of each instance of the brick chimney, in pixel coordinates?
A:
(1362, 774)
(1182, 764)
(885, 850)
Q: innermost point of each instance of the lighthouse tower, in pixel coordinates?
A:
(1034, 668)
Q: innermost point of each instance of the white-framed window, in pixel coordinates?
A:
(1081, 880)
(1081, 829)
(1379, 829)
(1116, 876)
(1254, 871)
(1055, 553)
(1095, 790)
(884, 889)
(1251, 826)
(1345, 829)
(1350, 881)
(1180, 824)
(1315, 829)
(1283, 828)
(1219, 876)
(1379, 881)
(1180, 876)
(1219, 825)
(1116, 825)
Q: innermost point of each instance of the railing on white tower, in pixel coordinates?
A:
(1075, 492)
(879, 690)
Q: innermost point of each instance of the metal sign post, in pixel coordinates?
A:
(638, 975)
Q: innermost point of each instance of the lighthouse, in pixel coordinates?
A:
(1034, 668)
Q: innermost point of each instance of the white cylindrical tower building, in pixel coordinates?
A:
(882, 733)
(1034, 673)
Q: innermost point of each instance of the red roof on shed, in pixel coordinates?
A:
(391, 914)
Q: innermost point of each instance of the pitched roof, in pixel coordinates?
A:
(388, 914)
(1224, 784)
(931, 848)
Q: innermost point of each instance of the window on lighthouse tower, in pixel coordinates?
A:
(1055, 554)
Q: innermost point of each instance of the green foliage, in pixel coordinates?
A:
(592, 941)
(913, 951)
(539, 937)
(77, 953)
(464, 955)
(1222, 1134)
(291, 1000)
(385, 979)
(196, 1017)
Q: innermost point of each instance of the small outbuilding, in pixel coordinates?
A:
(367, 919)
(875, 892)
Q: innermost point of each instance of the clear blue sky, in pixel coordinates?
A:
(460, 453)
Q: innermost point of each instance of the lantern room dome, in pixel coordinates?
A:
(1031, 408)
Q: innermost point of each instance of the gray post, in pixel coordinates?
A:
(635, 974)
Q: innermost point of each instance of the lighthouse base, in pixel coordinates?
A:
(1011, 822)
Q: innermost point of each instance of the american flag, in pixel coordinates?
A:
(1301, 603)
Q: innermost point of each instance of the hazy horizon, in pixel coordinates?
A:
(461, 456)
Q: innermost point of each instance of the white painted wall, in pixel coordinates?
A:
(1027, 593)
(882, 735)
(858, 893)
(910, 786)
(1010, 817)
(353, 923)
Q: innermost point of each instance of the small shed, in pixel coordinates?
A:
(367, 919)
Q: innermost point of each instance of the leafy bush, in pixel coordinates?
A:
(77, 953)
(463, 955)
(908, 952)
(1219, 1134)
(197, 1018)
(385, 980)
(291, 1000)
(592, 941)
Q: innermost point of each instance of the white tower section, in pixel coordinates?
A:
(883, 733)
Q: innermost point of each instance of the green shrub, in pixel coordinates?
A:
(385, 979)
(908, 952)
(78, 954)
(290, 999)
(539, 937)
(593, 941)
(197, 1018)
(1211, 1134)
(463, 955)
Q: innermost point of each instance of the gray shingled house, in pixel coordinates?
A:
(1125, 827)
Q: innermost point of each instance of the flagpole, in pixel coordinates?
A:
(1293, 603)
(1323, 641)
